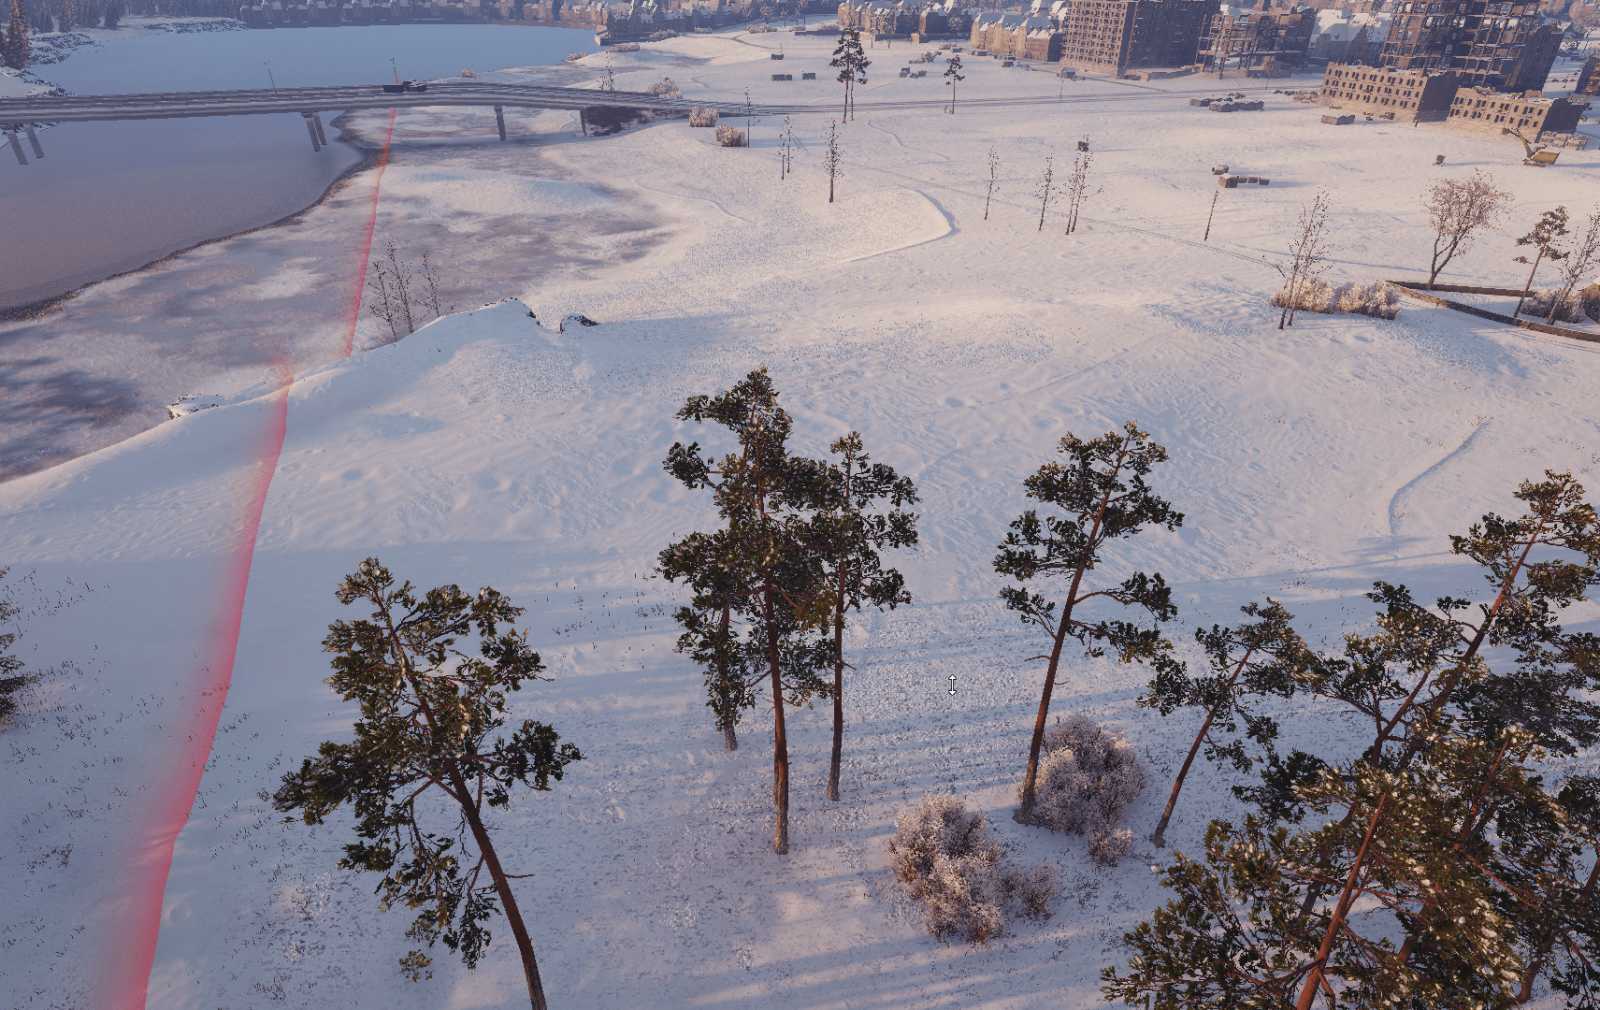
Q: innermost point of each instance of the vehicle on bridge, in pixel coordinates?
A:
(404, 87)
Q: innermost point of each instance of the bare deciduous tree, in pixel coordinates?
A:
(1457, 210)
(403, 294)
(786, 153)
(1308, 252)
(1048, 188)
(1078, 191)
(994, 177)
(1579, 263)
(831, 159)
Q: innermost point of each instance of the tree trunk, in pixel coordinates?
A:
(1346, 899)
(1536, 968)
(1159, 836)
(780, 738)
(1528, 286)
(730, 738)
(838, 691)
(1030, 780)
(502, 887)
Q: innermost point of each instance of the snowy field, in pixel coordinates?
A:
(488, 449)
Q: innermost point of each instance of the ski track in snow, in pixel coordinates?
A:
(1396, 511)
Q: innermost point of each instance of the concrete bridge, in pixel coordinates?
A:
(19, 116)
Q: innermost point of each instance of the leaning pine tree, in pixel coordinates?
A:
(429, 715)
(850, 532)
(1259, 658)
(1099, 494)
(762, 494)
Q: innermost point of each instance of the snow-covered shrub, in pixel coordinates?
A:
(1032, 890)
(665, 88)
(729, 136)
(1572, 310)
(702, 116)
(1589, 298)
(1087, 779)
(949, 862)
(945, 856)
(1379, 298)
(1108, 845)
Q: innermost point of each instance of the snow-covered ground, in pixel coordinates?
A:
(487, 449)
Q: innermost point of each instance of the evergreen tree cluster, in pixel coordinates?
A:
(795, 550)
(1426, 858)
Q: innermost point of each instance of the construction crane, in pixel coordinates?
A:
(1538, 156)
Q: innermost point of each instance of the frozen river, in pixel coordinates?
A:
(112, 197)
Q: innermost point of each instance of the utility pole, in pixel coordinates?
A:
(270, 79)
(1211, 215)
(396, 68)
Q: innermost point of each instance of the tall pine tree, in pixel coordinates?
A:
(1098, 494)
(761, 494)
(859, 508)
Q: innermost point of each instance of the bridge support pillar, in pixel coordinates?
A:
(500, 121)
(583, 121)
(312, 130)
(16, 147)
(322, 136)
(33, 140)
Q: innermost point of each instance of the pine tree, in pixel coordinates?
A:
(428, 712)
(1100, 494)
(852, 63)
(952, 77)
(1262, 657)
(1545, 236)
(761, 494)
(68, 18)
(707, 563)
(11, 681)
(16, 53)
(850, 531)
(1442, 820)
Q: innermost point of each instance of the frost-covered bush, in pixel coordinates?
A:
(665, 88)
(1107, 846)
(1379, 298)
(1032, 890)
(702, 116)
(1589, 298)
(1087, 779)
(1573, 310)
(729, 136)
(949, 862)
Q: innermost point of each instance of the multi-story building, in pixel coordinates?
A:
(1530, 114)
(1486, 42)
(1112, 36)
(1589, 77)
(1267, 42)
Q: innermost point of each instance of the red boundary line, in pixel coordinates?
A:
(125, 980)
